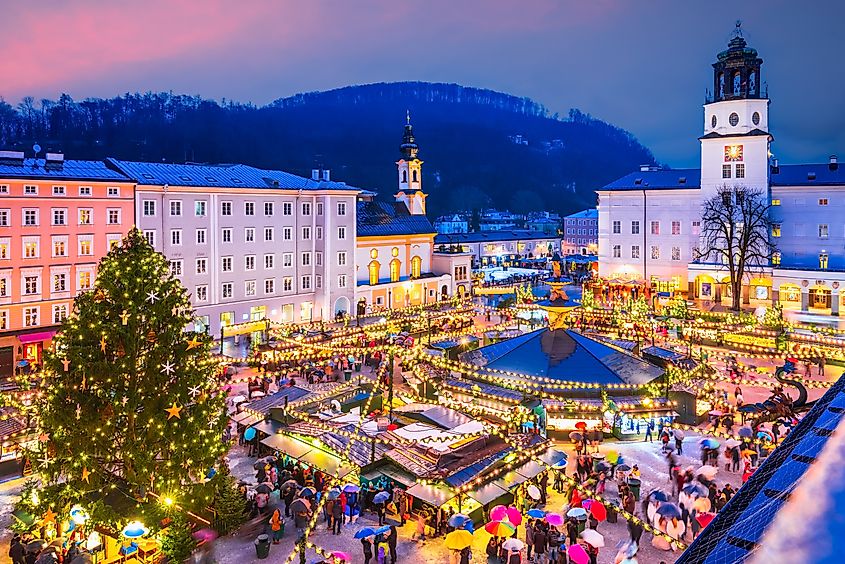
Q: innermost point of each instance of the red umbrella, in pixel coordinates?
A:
(705, 518)
(596, 509)
(575, 500)
(581, 425)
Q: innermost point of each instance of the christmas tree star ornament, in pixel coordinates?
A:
(49, 516)
(173, 411)
(103, 343)
(193, 343)
(167, 367)
(152, 297)
(85, 475)
(43, 438)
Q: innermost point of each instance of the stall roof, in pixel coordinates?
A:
(268, 426)
(435, 495)
(288, 445)
(263, 405)
(329, 463)
(472, 471)
(438, 415)
(246, 418)
(488, 493)
(390, 471)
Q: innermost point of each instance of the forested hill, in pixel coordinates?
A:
(480, 147)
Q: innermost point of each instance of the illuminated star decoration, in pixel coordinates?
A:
(195, 391)
(103, 343)
(85, 474)
(49, 516)
(66, 364)
(193, 343)
(124, 317)
(173, 411)
(43, 438)
(152, 297)
(167, 367)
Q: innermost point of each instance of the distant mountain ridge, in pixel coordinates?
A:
(481, 148)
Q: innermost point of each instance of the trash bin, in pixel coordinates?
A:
(347, 375)
(598, 458)
(634, 484)
(262, 546)
(358, 366)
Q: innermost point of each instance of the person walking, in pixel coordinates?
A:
(367, 546)
(337, 517)
(529, 536)
(419, 533)
(679, 445)
(392, 539)
(17, 551)
(277, 525)
(635, 530)
(649, 427)
(541, 541)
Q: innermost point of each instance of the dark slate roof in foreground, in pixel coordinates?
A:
(390, 218)
(223, 175)
(68, 170)
(808, 175)
(737, 530)
(564, 355)
(672, 179)
(491, 236)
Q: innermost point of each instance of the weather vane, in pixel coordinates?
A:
(738, 29)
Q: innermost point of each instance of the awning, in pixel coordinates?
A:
(488, 493)
(287, 445)
(531, 469)
(432, 495)
(268, 426)
(405, 478)
(246, 418)
(329, 463)
(36, 337)
(510, 480)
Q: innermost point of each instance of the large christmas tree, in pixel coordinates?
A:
(130, 405)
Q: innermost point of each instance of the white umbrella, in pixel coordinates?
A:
(513, 543)
(678, 433)
(707, 471)
(731, 443)
(593, 538)
(534, 491)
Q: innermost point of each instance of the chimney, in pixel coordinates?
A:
(14, 158)
(644, 167)
(315, 174)
(54, 160)
(834, 163)
(327, 175)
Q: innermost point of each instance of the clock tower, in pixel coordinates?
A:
(735, 144)
(409, 167)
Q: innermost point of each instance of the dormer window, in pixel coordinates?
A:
(811, 176)
(682, 180)
(638, 181)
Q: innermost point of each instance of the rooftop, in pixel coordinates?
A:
(490, 236)
(390, 218)
(63, 170)
(660, 179)
(591, 213)
(808, 175)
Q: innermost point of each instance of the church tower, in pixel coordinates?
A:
(735, 144)
(409, 168)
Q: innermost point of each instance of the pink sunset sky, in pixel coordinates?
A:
(640, 65)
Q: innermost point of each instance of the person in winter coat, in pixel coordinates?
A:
(367, 546)
(277, 525)
(392, 538)
(337, 517)
(635, 530)
(572, 531)
(529, 536)
(466, 555)
(541, 543)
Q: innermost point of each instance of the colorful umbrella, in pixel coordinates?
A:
(596, 509)
(765, 435)
(746, 432)
(307, 492)
(577, 554)
(458, 520)
(623, 467)
(533, 492)
(709, 442)
(554, 519)
(135, 530)
(333, 493)
(669, 510)
(498, 513)
(365, 532)
(500, 528)
(732, 443)
(343, 556)
(695, 489)
(659, 495)
(581, 425)
(593, 538)
(576, 436)
(351, 488)
(678, 434)
(205, 535)
(612, 456)
(701, 504)
(536, 513)
(381, 497)
(577, 512)
(458, 540)
(705, 518)
(514, 517)
(748, 452)
(707, 471)
(514, 544)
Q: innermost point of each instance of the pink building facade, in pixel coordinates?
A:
(57, 220)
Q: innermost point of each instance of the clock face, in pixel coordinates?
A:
(733, 153)
(755, 118)
(733, 119)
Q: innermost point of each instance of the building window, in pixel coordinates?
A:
(200, 236)
(30, 190)
(676, 228)
(635, 228)
(113, 192)
(696, 228)
(226, 290)
(59, 216)
(617, 251)
(202, 265)
(823, 231)
(84, 190)
(30, 217)
(60, 282)
(268, 233)
(306, 233)
(395, 270)
(306, 282)
(4, 218)
(114, 217)
(776, 202)
(306, 208)
(30, 317)
(635, 251)
(416, 267)
(776, 258)
(58, 190)
(617, 227)
(249, 234)
(822, 201)
(4, 319)
(176, 237)
(341, 233)
(318, 233)
(341, 281)
(199, 208)
(149, 208)
(30, 285)
(249, 288)
(823, 258)
(249, 262)
(341, 258)
(676, 253)
(341, 208)
(150, 236)
(84, 281)
(655, 228)
(86, 246)
(306, 259)
(270, 286)
(373, 268)
(740, 170)
(176, 267)
(225, 208)
(726, 171)
(226, 236)
(287, 259)
(319, 212)
(226, 264)
(287, 208)
(287, 284)
(655, 252)
(85, 216)
(249, 208)
(268, 208)
(776, 230)
(201, 293)
(176, 208)
(287, 233)
(269, 261)
(59, 248)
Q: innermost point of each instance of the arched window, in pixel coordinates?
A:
(416, 267)
(395, 270)
(416, 177)
(374, 253)
(737, 84)
(394, 251)
(374, 268)
(721, 85)
(752, 82)
(405, 176)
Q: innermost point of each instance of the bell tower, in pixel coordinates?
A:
(409, 167)
(735, 144)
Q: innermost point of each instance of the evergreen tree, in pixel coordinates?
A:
(229, 504)
(130, 404)
(177, 543)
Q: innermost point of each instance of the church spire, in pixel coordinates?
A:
(408, 148)
(736, 72)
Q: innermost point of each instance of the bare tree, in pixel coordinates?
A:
(735, 232)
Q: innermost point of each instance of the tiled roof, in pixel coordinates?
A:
(390, 218)
(68, 170)
(591, 213)
(490, 236)
(672, 179)
(808, 175)
(737, 530)
(224, 175)
(263, 405)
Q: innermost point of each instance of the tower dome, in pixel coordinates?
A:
(736, 72)
(409, 148)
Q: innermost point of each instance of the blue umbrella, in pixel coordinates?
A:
(536, 513)
(365, 532)
(669, 510)
(659, 495)
(351, 488)
(696, 489)
(334, 493)
(746, 432)
(382, 530)
(469, 526)
(458, 520)
(709, 443)
(577, 512)
(381, 497)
